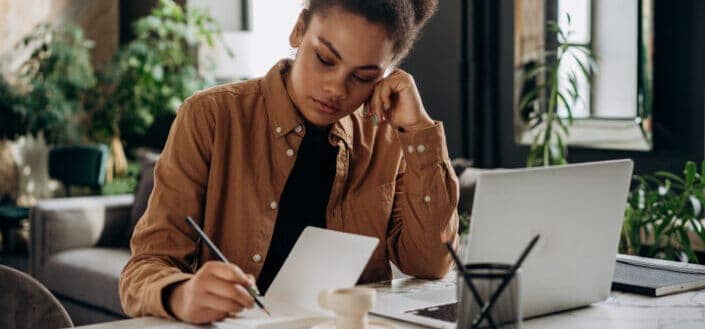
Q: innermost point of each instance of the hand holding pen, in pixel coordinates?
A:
(217, 290)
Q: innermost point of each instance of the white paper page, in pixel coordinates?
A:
(282, 316)
(321, 259)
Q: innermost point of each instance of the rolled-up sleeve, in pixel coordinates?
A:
(163, 246)
(424, 214)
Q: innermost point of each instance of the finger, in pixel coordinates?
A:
(252, 279)
(220, 304)
(377, 104)
(228, 272)
(386, 96)
(230, 291)
(253, 283)
(367, 112)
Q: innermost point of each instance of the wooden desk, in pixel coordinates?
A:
(620, 310)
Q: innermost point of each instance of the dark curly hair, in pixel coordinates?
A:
(403, 19)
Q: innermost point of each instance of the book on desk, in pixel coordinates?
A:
(656, 277)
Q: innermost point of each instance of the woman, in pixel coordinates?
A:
(256, 162)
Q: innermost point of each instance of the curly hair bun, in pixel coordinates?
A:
(423, 10)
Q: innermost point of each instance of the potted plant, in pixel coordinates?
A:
(542, 95)
(664, 215)
(53, 81)
(45, 98)
(148, 78)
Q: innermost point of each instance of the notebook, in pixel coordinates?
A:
(655, 277)
(321, 259)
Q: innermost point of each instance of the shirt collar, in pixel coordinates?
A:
(283, 116)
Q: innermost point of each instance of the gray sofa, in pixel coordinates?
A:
(77, 251)
(80, 245)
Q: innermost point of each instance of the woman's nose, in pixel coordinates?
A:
(335, 88)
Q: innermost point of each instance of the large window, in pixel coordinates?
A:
(613, 109)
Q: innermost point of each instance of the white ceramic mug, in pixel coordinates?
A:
(350, 306)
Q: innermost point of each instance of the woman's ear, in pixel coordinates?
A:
(297, 33)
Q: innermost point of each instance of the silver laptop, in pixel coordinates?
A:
(578, 210)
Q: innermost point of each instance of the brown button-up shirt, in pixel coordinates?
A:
(226, 161)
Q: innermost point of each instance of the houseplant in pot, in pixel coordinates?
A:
(543, 94)
(149, 77)
(45, 99)
(664, 213)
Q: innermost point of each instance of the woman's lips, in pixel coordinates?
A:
(325, 107)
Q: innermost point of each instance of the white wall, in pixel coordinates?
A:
(615, 44)
(270, 31)
(257, 50)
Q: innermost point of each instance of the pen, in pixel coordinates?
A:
(251, 290)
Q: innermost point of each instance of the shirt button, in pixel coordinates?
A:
(278, 130)
(256, 258)
(410, 149)
(427, 199)
(298, 129)
(290, 152)
(273, 205)
(421, 148)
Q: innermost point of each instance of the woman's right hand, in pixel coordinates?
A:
(216, 290)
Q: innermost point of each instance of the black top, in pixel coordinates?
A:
(303, 201)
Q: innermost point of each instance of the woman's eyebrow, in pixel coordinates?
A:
(337, 54)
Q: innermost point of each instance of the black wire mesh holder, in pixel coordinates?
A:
(494, 271)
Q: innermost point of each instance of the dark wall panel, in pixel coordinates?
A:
(435, 63)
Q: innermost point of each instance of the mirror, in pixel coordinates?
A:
(612, 108)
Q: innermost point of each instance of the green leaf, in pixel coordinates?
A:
(671, 176)
(690, 172)
(563, 126)
(568, 107)
(528, 98)
(587, 73)
(563, 159)
(686, 245)
(533, 72)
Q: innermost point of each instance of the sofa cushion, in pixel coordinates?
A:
(147, 159)
(87, 275)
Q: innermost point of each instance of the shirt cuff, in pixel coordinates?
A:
(425, 147)
(154, 301)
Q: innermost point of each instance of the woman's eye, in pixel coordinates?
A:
(326, 63)
(361, 80)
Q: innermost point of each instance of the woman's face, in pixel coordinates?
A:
(340, 58)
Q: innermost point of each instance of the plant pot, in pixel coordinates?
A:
(33, 160)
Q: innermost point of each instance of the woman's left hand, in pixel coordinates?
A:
(396, 100)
